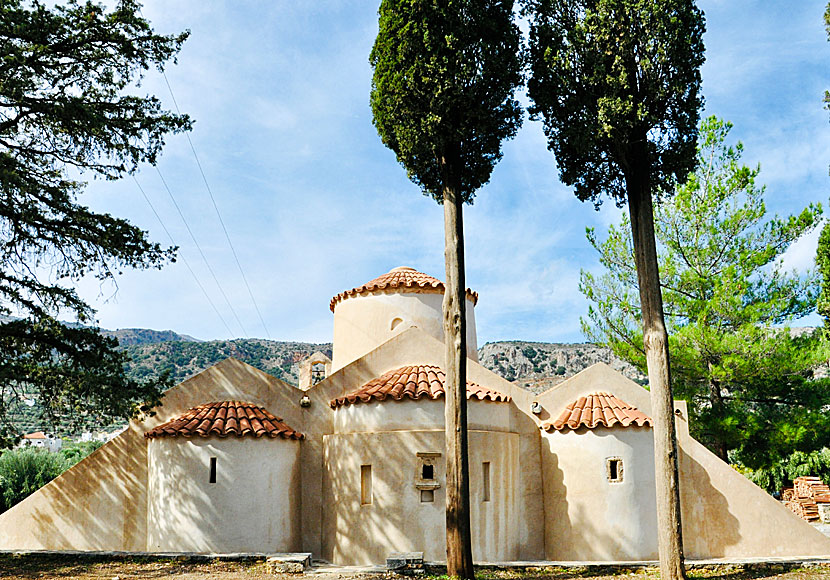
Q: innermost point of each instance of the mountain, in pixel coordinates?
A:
(186, 358)
(136, 336)
(536, 366)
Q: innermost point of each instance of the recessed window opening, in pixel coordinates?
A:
(212, 478)
(428, 472)
(614, 469)
(485, 474)
(427, 496)
(395, 322)
(365, 485)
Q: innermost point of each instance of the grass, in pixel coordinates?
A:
(96, 567)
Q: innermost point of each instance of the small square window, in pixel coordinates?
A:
(427, 495)
(427, 472)
(614, 469)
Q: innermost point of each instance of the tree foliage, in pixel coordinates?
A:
(24, 471)
(748, 382)
(608, 77)
(65, 112)
(442, 99)
(442, 92)
(617, 85)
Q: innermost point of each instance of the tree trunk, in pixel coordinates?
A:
(459, 545)
(655, 339)
(716, 400)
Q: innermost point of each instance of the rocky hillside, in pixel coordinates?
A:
(184, 359)
(537, 366)
(136, 336)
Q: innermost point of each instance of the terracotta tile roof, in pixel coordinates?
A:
(225, 418)
(400, 278)
(599, 409)
(35, 435)
(413, 382)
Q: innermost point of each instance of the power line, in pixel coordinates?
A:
(219, 215)
(198, 247)
(184, 260)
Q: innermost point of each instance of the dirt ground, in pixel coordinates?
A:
(50, 567)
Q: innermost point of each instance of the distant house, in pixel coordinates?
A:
(42, 440)
(351, 465)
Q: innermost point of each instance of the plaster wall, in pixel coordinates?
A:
(423, 414)
(364, 322)
(253, 506)
(99, 504)
(396, 519)
(727, 516)
(586, 516)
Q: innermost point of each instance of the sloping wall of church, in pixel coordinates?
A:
(101, 503)
(727, 516)
(723, 513)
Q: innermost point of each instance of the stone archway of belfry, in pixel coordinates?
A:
(313, 370)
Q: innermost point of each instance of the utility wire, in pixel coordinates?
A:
(184, 260)
(198, 247)
(219, 215)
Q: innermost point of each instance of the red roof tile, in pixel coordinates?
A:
(225, 418)
(599, 409)
(400, 278)
(35, 435)
(413, 382)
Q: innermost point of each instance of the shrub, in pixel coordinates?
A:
(782, 473)
(73, 452)
(24, 471)
(560, 370)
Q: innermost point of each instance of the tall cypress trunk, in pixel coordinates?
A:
(459, 544)
(655, 339)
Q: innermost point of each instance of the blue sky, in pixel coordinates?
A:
(315, 204)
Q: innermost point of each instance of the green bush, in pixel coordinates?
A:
(24, 471)
(560, 370)
(73, 452)
(782, 473)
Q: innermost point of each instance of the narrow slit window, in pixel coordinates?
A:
(614, 469)
(427, 472)
(212, 470)
(365, 484)
(485, 473)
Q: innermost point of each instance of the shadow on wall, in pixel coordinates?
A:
(708, 526)
(363, 526)
(99, 504)
(572, 535)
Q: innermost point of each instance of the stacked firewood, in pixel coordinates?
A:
(805, 495)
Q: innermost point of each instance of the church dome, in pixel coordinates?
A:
(401, 279)
(367, 316)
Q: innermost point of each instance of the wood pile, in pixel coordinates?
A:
(805, 495)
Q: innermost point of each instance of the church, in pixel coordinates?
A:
(350, 465)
